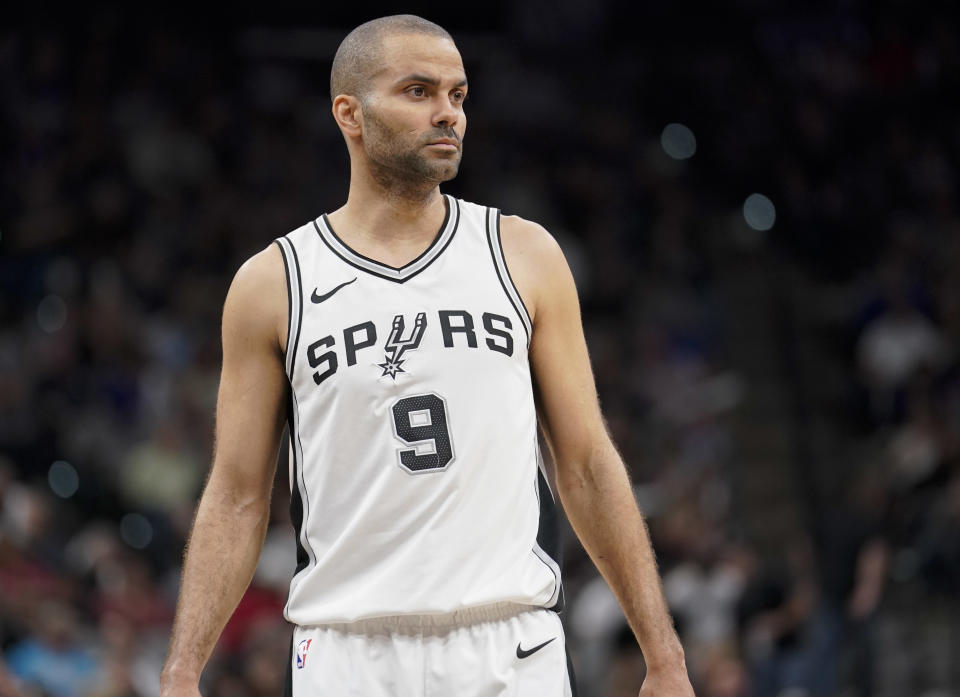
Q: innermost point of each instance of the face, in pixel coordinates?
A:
(413, 119)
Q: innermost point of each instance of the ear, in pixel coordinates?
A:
(347, 114)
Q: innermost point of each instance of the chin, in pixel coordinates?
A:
(448, 171)
(450, 174)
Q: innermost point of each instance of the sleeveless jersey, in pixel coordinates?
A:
(417, 485)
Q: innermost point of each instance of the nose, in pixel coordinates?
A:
(446, 114)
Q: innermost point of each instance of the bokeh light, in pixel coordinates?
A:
(63, 479)
(136, 530)
(759, 212)
(678, 141)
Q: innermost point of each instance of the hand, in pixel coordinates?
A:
(667, 682)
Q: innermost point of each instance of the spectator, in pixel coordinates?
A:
(54, 656)
(891, 350)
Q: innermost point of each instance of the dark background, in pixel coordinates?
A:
(781, 377)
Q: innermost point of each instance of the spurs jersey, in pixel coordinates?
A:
(417, 485)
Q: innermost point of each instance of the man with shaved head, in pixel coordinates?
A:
(361, 55)
(414, 343)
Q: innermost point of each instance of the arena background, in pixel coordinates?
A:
(759, 205)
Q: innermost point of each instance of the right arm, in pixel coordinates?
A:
(233, 513)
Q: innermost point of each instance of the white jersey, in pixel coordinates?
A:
(416, 477)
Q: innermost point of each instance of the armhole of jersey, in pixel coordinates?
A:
(299, 503)
(503, 273)
(548, 548)
(291, 266)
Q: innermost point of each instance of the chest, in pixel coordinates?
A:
(371, 334)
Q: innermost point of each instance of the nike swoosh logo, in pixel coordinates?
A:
(523, 653)
(320, 298)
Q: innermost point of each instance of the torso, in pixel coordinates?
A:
(415, 470)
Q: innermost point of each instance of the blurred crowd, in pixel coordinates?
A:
(144, 161)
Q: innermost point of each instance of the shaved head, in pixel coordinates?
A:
(360, 55)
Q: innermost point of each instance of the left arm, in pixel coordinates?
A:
(591, 478)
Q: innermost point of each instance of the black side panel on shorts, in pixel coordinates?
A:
(288, 681)
(548, 532)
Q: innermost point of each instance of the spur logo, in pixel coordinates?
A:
(396, 345)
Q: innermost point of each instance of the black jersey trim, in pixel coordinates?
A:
(548, 535)
(436, 238)
(286, 272)
(296, 500)
(409, 270)
(296, 342)
(291, 268)
(305, 551)
(496, 266)
(506, 267)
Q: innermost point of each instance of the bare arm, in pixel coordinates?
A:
(591, 479)
(232, 517)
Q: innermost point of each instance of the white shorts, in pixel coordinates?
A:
(494, 651)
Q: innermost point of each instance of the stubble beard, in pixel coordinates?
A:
(398, 161)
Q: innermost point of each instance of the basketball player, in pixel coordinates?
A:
(409, 340)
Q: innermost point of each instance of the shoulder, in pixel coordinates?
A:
(528, 238)
(261, 272)
(257, 299)
(534, 259)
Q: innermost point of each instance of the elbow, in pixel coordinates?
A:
(575, 477)
(585, 467)
(237, 501)
(252, 507)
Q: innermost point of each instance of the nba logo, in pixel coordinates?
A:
(302, 649)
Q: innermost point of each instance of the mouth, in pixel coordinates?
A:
(445, 144)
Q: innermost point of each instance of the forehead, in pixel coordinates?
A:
(423, 54)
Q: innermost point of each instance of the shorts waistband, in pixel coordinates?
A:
(457, 618)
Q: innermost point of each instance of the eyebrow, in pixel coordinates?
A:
(432, 81)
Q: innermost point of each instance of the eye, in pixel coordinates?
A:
(418, 91)
(459, 96)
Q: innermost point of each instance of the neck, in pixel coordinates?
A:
(400, 189)
(380, 205)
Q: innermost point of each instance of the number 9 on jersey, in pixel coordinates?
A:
(420, 421)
